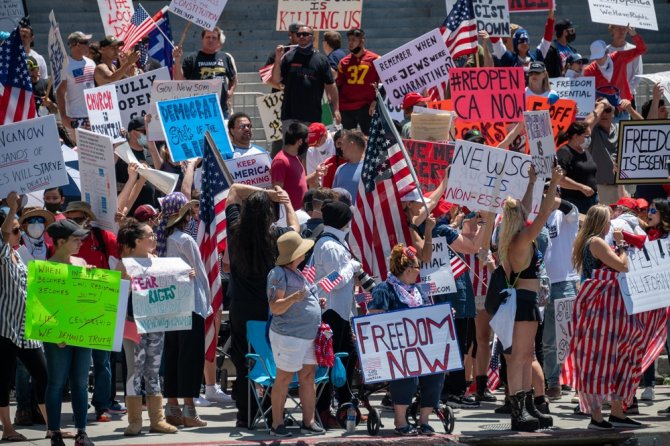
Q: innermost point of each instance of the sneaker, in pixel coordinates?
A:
(387, 402)
(214, 394)
(554, 393)
(57, 439)
(117, 408)
(280, 431)
(406, 431)
(312, 429)
(647, 394)
(575, 398)
(82, 440)
(633, 409)
(102, 417)
(201, 402)
(665, 411)
(461, 402)
(628, 423)
(566, 388)
(426, 429)
(600, 425)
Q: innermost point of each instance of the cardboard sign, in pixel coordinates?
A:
(437, 273)
(134, 93)
(30, 156)
(116, 15)
(251, 169)
(97, 177)
(643, 152)
(321, 16)
(163, 293)
(422, 63)
(541, 141)
(269, 107)
(663, 78)
(530, 5)
(494, 132)
(637, 13)
(430, 159)
(204, 13)
(164, 90)
(185, 122)
(164, 181)
(492, 16)
(408, 343)
(11, 12)
(78, 306)
(563, 112)
(58, 59)
(646, 285)
(103, 111)
(488, 94)
(582, 90)
(564, 329)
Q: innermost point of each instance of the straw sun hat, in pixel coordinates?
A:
(291, 246)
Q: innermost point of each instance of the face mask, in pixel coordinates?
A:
(54, 208)
(356, 50)
(35, 230)
(303, 148)
(571, 37)
(142, 140)
(587, 143)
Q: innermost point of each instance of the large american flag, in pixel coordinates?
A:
(460, 29)
(159, 48)
(141, 24)
(212, 236)
(16, 90)
(379, 222)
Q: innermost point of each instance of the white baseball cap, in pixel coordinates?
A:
(598, 49)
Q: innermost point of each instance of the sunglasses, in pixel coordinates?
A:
(303, 34)
(652, 211)
(608, 110)
(36, 220)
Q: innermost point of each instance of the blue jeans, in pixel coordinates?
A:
(552, 368)
(63, 363)
(102, 378)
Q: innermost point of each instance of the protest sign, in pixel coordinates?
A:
(530, 5)
(492, 16)
(251, 169)
(635, 13)
(395, 111)
(437, 273)
(30, 156)
(646, 285)
(563, 318)
(493, 132)
(185, 122)
(582, 90)
(663, 78)
(320, 15)
(103, 111)
(11, 12)
(204, 13)
(75, 305)
(407, 343)
(97, 177)
(116, 15)
(163, 293)
(541, 141)
(488, 94)
(163, 90)
(269, 107)
(643, 152)
(164, 181)
(430, 159)
(422, 63)
(58, 59)
(134, 93)
(562, 112)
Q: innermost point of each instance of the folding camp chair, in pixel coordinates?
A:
(262, 373)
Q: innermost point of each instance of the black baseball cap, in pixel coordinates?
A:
(65, 228)
(137, 123)
(537, 67)
(356, 32)
(562, 25)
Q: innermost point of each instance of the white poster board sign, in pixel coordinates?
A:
(643, 152)
(30, 156)
(636, 13)
(582, 90)
(492, 16)
(269, 107)
(320, 15)
(58, 59)
(251, 169)
(103, 111)
(116, 15)
(646, 285)
(663, 78)
(164, 181)
(541, 140)
(163, 293)
(204, 13)
(11, 12)
(407, 343)
(437, 273)
(564, 329)
(422, 63)
(97, 177)
(134, 93)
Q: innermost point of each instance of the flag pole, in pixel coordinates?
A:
(219, 158)
(164, 10)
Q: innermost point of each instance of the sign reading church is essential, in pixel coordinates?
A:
(644, 152)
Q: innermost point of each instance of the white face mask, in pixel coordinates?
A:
(35, 230)
(587, 143)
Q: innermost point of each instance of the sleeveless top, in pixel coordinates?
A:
(532, 271)
(590, 263)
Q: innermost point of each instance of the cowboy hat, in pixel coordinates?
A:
(29, 213)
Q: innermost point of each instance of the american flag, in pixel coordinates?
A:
(212, 236)
(16, 90)
(379, 222)
(329, 282)
(266, 73)
(159, 48)
(141, 24)
(493, 373)
(460, 29)
(458, 266)
(309, 272)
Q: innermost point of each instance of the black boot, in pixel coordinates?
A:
(545, 420)
(483, 393)
(521, 419)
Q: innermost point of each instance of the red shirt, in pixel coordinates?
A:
(355, 77)
(289, 171)
(333, 163)
(93, 253)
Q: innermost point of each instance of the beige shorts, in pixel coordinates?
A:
(291, 353)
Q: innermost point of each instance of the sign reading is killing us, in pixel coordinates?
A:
(643, 152)
(646, 285)
(134, 93)
(401, 344)
(430, 159)
(437, 273)
(635, 13)
(488, 94)
(422, 63)
(492, 16)
(328, 15)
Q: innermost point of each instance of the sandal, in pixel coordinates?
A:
(14, 437)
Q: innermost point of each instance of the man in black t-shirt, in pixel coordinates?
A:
(209, 63)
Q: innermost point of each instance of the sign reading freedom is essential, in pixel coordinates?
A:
(163, 293)
(488, 94)
(438, 272)
(646, 285)
(30, 156)
(56, 50)
(116, 15)
(635, 13)
(251, 169)
(643, 152)
(401, 344)
(492, 16)
(269, 107)
(78, 306)
(582, 90)
(422, 63)
(134, 93)
(564, 308)
(430, 159)
(329, 15)
(185, 122)
(541, 141)
(204, 13)
(104, 114)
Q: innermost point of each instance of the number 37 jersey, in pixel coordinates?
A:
(354, 80)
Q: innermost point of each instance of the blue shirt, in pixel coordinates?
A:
(334, 58)
(347, 176)
(463, 300)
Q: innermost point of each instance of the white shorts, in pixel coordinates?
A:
(291, 353)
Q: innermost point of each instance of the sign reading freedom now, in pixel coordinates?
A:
(400, 344)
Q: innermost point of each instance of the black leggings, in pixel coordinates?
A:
(32, 358)
(184, 360)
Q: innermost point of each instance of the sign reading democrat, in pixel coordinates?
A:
(646, 285)
(635, 13)
(401, 344)
(643, 152)
(422, 63)
(328, 15)
(488, 94)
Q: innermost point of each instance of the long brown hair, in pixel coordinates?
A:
(595, 223)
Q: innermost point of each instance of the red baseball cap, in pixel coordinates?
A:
(145, 213)
(411, 99)
(627, 202)
(316, 131)
(642, 204)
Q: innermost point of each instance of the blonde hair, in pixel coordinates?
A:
(512, 223)
(399, 260)
(595, 223)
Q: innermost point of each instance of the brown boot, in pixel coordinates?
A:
(174, 416)
(191, 418)
(157, 419)
(134, 405)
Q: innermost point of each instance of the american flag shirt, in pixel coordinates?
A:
(79, 78)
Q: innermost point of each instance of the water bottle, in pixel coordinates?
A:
(351, 419)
